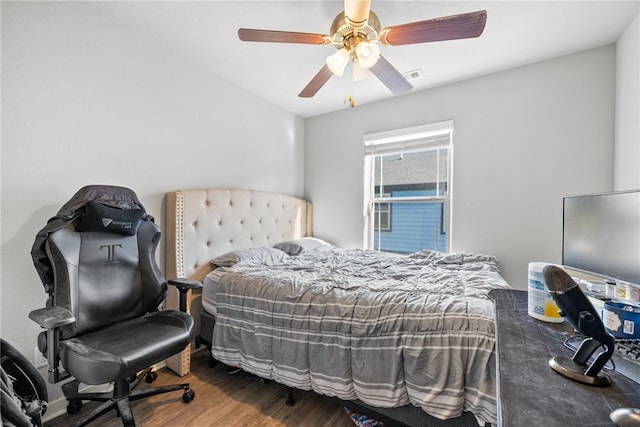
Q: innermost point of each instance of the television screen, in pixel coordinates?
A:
(601, 235)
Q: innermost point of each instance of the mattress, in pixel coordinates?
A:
(209, 292)
(385, 329)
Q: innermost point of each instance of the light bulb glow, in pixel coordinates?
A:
(338, 61)
(368, 54)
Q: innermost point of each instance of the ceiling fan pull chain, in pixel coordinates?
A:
(349, 100)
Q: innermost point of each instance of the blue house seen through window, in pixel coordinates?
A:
(410, 196)
(409, 227)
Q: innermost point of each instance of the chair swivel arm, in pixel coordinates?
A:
(184, 285)
(52, 319)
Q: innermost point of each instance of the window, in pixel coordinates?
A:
(407, 188)
(382, 215)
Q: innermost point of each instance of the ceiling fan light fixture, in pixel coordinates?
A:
(338, 61)
(367, 54)
(359, 72)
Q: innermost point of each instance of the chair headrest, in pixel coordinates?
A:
(99, 217)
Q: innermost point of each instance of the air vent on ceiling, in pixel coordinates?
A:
(414, 74)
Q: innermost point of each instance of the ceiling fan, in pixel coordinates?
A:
(356, 31)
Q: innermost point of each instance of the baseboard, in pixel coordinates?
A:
(59, 406)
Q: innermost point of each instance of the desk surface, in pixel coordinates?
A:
(529, 392)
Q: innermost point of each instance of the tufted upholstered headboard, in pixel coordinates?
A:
(204, 223)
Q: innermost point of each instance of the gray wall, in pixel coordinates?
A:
(85, 101)
(523, 138)
(627, 147)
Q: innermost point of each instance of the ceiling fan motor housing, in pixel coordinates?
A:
(344, 34)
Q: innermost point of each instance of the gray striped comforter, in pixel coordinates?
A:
(385, 329)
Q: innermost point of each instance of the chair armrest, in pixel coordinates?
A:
(52, 317)
(184, 285)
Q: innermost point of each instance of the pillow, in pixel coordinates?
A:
(99, 217)
(296, 247)
(262, 255)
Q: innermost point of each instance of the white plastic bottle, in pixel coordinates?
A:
(541, 303)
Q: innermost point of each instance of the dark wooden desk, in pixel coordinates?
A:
(529, 392)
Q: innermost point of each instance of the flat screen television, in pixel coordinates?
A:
(601, 235)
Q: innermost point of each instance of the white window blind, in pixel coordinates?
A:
(407, 139)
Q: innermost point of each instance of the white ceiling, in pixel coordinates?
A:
(517, 33)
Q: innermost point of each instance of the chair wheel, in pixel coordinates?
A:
(74, 406)
(150, 377)
(188, 396)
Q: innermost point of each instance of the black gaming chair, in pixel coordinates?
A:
(102, 318)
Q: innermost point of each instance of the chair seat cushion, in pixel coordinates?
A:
(126, 348)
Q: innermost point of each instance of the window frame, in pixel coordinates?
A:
(405, 140)
(378, 211)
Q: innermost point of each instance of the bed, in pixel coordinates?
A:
(398, 347)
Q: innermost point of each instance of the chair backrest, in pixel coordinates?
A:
(104, 277)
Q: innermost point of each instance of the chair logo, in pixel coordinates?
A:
(125, 225)
(111, 253)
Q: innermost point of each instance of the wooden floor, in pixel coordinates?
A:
(222, 400)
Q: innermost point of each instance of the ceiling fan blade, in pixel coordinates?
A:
(357, 12)
(390, 76)
(316, 82)
(273, 36)
(463, 26)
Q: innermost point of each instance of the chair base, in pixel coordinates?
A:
(121, 397)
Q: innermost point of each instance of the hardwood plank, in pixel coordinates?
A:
(222, 400)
